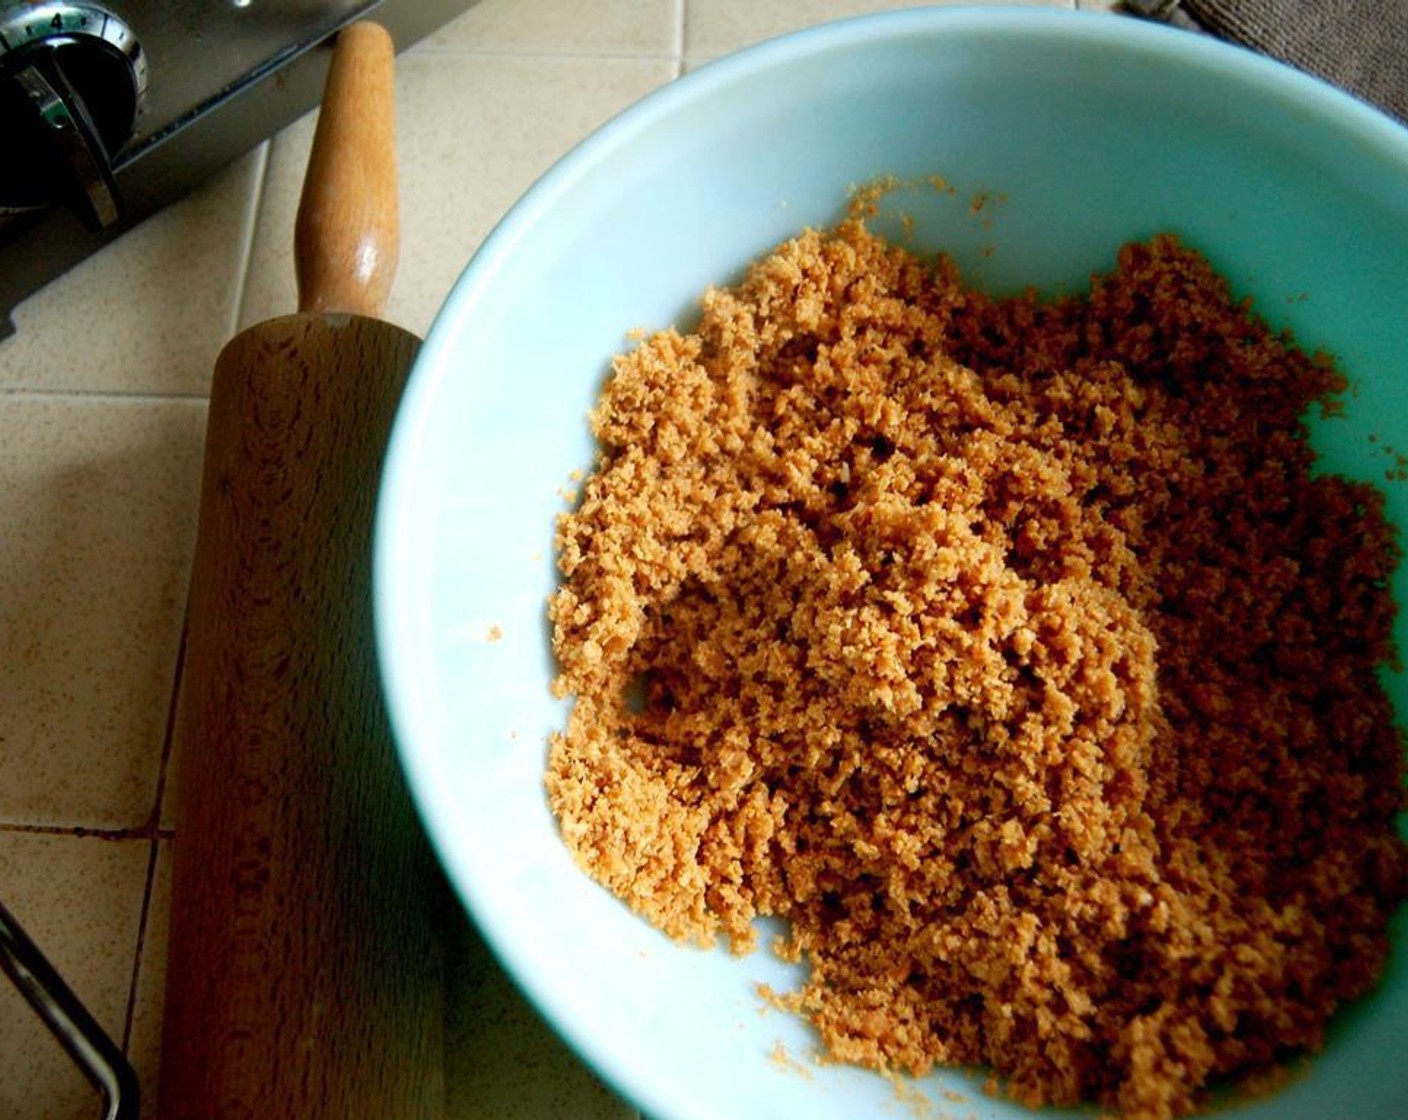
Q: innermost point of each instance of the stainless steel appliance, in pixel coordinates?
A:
(109, 111)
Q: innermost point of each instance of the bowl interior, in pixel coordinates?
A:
(1061, 137)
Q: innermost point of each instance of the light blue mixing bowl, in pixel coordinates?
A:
(1080, 133)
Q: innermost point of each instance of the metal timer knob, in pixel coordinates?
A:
(72, 80)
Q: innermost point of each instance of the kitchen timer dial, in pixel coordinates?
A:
(72, 80)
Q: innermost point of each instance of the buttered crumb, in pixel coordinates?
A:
(1008, 651)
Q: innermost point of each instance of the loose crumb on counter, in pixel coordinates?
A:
(1008, 650)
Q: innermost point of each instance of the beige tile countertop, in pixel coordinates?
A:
(101, 430)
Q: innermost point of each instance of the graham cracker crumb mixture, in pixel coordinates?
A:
(1008, 651)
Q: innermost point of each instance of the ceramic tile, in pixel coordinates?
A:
(97, 524)
(503, 1062)
(474, 131)
(716, 27)
(80, 899)
(148, 313)
(649, 27)
(144, 1040)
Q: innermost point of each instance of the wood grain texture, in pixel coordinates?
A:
(304, 972)
(347, 233)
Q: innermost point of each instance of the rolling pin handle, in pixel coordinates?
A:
(347, 232)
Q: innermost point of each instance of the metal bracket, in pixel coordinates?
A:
(77, 1031)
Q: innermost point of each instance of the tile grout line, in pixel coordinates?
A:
(156, 832)
(547, 53)
(681, 16)
(99, 396)
(133, 983)
(86, 832)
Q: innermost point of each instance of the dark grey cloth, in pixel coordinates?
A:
(1359, 45)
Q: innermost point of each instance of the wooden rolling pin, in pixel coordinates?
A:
(304, 972)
